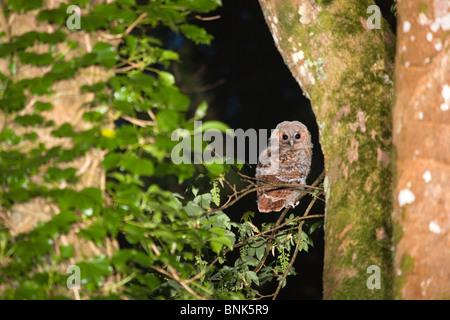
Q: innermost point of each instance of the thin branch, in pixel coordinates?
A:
(198, 17)
(294, 256)
(243, 242)
(237, 195)
(282, 215)
(269, 234)
(138, 122)
(173, 274)
(133, 25)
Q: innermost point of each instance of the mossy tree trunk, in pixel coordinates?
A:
(421, 137)
(344, 65)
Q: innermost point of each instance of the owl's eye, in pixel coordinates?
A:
(285, 137)
(297, 136)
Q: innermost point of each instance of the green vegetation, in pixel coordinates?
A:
(156, 229)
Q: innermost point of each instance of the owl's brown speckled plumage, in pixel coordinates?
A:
(286, 160)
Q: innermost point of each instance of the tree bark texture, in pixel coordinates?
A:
(69, 104)
(345, 68)
(422, 140)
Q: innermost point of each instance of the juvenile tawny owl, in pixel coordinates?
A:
(286, 160)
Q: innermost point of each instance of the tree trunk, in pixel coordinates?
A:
(68, 105)
(421, 138)
(344, 65)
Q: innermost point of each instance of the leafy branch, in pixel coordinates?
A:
(267, 237)
(236, 195)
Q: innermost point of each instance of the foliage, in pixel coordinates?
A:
(172, 245)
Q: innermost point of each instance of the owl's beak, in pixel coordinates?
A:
(292, 142)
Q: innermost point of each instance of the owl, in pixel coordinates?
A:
(286, 160)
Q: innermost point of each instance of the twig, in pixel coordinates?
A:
(131, 27)
(240, 244)
(282, 215)
(138, 122)
(243, 242)
(237, 195)
(172, 273)
(294, 256)
(132, 65)
(198, 17)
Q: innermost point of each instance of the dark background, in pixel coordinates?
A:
(247, 85)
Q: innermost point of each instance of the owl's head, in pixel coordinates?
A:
(292, 134)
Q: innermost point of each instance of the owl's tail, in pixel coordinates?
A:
(266, 204)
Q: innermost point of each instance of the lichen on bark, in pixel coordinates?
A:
(421, 124)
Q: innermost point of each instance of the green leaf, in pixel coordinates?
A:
(61, 70)
(121, 258)
(30, 290)
(197, 34)
(112, 219)
(56, 16)
(134, 234)
(88, 200)
(127, 135)
(149, 280)
(315, 226)
(138, 166)
(52, 38)
(251, 277)
(94, 271)
(215, 125)
(24, 5)
(111, 160)
(87, 60)
(200, 112)
(13, 99)
(29, 120)
(35, 59)
(218, 242)
(96, 87)
(204, 200)
(66, 251)
(58, 224)
(42, 106)
(94, 21)
(106, 54)
(65, 130)
(126, 2)
(94, 232)
(169, 55)
(203, 5)
(192, 209)
(259, 251)
(216, 169)
(131, 42)
(247, 216)
(57, 174)
(9, 136)
(305, 242)
(166, 78)
(168, 120)
(170, 97)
